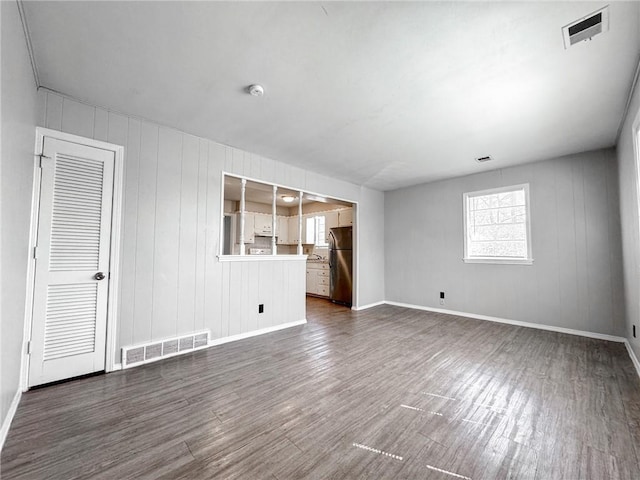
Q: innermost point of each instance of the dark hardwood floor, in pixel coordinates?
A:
(386, 393)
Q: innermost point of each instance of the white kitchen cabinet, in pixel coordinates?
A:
(345, 217)
(263, 224)
(293, 230)
(249, 228)
(330, 221)
(318, 279)
(312, 280)
(282, 230)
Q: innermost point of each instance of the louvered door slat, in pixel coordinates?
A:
(72, 194)
(82, 314)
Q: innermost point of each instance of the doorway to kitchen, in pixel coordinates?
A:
(322, 309)
(269, 220)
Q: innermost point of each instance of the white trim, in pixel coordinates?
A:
(255, 333)
(528, 260)
(114, 267)
(114, 262)
(371, 305)
(632, 354)
(499, 260)
(116, 367)
(634, 85)
(265, 182)
(355, 231)
(6, 423)
(551, 328)
(261, 258)
(31, 264)
(635, 139)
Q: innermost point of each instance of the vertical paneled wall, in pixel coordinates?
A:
(19, 106)
(171, 279)
(628, 156)
(576, 278)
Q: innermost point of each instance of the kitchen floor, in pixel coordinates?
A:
(384, 393)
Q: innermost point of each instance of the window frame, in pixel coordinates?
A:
(528, 260)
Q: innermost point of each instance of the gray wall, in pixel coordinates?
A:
(576, 279)
(18, 140)
(371, 227)
(172, 282)
(629, 214)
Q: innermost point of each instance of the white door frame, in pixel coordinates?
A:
(114, 261)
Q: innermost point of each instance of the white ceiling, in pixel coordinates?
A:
(379, 94)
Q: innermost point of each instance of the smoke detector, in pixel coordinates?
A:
(255, 90)
(586, 27)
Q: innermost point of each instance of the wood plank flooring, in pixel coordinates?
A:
(386, 393)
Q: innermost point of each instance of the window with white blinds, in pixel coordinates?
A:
(497, 225)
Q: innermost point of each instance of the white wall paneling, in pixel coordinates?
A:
(628, 151)
(20, 112)
(575, 281)
(172, 281)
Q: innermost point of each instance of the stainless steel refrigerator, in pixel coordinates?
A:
(341, 265)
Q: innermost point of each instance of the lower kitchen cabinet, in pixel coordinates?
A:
(318, 279)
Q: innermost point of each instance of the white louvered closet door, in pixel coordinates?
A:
(74, 229)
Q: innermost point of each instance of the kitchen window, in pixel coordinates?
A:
(316, 231)
(497, 226)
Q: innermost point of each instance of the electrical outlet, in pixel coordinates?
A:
(261, 308)
(441, 298)
(634, 331)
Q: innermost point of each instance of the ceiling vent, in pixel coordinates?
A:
(586, 28)
(484, 159)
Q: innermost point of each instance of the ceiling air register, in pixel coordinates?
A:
(586, 28)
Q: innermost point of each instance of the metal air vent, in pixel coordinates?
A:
(150, 352)
(484, 159)
(586, 28)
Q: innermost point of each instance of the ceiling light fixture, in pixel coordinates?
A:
(288, 198)
(255, 90)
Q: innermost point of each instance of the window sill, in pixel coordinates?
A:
(500, 261)
(261, 258)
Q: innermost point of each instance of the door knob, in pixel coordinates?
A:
(99, 276)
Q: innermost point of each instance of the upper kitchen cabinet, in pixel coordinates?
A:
(282, 230)
(345, 217)
(249, 227)
(259, 200)
(330, 221)
(294, 230)
(263, 224)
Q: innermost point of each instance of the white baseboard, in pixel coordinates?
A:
(255, 333)
(551, 328)
(371, 305)
(6, 423)
(116, 367)
(632, 354)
